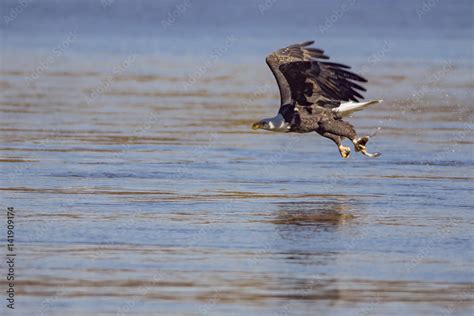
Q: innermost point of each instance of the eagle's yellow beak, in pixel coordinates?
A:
(256, 125)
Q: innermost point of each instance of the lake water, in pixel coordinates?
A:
(140, 189)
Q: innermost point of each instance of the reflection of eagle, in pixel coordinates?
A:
(312, 94)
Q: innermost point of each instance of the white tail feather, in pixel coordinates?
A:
(346, 109)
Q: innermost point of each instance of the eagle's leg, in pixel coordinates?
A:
(344, 129)
(343, 150)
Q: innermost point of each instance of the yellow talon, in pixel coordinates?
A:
(344, 151)
(359, 143)
(359, 146)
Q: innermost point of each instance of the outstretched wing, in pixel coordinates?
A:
(303, 78)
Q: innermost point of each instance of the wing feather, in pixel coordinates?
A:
(303, 78)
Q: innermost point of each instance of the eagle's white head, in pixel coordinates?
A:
(274, 124)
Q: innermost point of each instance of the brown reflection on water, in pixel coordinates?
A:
(247, 288)
(313, 213)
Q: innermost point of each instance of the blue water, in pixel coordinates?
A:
(420, 30)
(126, 149)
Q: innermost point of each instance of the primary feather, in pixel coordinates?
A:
(303, 78)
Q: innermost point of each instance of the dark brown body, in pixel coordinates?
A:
(324, 121)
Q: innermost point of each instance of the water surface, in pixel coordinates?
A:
(140, 188)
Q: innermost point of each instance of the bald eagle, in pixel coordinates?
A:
(315, 96)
